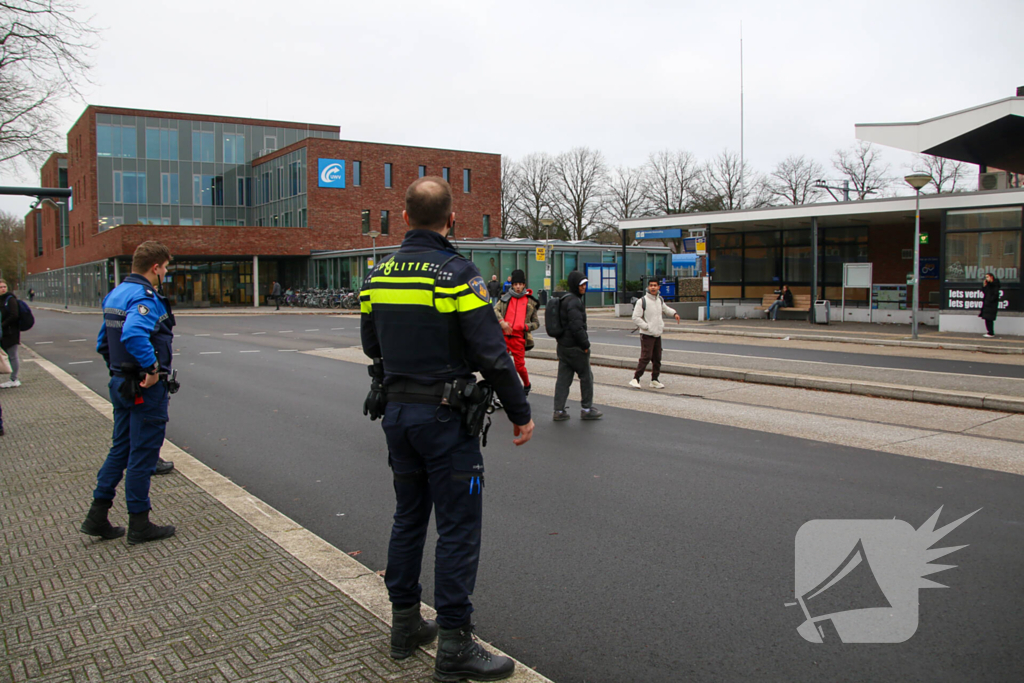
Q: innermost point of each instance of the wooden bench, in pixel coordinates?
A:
(801, 303)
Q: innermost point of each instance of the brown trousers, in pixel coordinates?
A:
(650, 352)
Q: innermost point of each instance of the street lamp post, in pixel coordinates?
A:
(374, 234)
(63, 241)
(547, 223)
(916, 181)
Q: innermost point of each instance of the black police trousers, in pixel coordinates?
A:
(438, 466)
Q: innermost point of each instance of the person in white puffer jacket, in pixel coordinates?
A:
(648, 314)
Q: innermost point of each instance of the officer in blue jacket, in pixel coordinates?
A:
(135, 341)
(428, 324)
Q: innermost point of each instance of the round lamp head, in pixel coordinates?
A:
(374, 234)
(918, 180)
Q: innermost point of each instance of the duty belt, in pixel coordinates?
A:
(407, 391)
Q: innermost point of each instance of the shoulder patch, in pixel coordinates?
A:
(143, 309)
(479, 288)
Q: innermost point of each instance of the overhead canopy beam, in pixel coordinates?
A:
(51, 192)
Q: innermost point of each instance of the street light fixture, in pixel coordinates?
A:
(63, 240)
(374, 234)
(916, 181)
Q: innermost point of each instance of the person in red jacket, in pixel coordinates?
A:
(517, 313)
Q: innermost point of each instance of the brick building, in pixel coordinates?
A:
(240, 202)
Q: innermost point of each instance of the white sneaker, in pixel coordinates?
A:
(655, 384)
(9, 385)
(635, 383)
(990, 336)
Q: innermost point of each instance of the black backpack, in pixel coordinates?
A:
(553, 318)
(25, 318)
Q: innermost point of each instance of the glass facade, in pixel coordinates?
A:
(159, 171)
(983, 241)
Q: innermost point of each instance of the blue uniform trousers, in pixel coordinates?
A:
(138, 436)
(437, 465)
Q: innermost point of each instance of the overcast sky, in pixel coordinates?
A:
(627, 78)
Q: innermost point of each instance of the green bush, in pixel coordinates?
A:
(562, 286)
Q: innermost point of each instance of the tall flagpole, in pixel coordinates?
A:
(740, 202)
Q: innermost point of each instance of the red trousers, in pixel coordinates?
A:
(517, 349)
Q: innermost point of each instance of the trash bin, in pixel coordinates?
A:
(543, 297)
(821, 311)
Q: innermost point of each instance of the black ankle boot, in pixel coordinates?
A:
(141, 530)
(96, 522)
(460, 657)
(409, 630)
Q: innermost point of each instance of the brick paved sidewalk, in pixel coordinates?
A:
(218, 602)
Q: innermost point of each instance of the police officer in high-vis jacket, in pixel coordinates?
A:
(425, 313)
(135, 341)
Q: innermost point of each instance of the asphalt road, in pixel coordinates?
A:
(637, 548)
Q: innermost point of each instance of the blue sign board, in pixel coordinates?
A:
(670, 233)
(929, 268)
(332, 172)
(601, 277)
(684, 260)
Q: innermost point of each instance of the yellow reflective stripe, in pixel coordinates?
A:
(404, 280)
(365, 307)
(420, 297)
(470, 303)
(446, 305)
(451, 290)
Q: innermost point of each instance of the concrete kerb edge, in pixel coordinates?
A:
(352, 578)
(1006, 404)
(951, 346)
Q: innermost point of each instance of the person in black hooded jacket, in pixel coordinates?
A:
(574, 352)
(990, 303)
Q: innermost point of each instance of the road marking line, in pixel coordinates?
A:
(324, 348)
(248, 351)
(230, 334)
(283, 331)
(50, 342)
(202, 335)
(337, 328)
(316, 330)
(76, 340)
(259, 332)
(287, 350)
(79, 362)
(207, 353)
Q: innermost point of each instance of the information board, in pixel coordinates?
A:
(889, 297)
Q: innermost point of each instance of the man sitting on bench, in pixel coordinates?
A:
(785, 300)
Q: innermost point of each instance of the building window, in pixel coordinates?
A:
(266, 188)
(387, 175)
(465, 180)
(207, 190)
(241, 191)
(161, 144)
(274, 221)
(423, 171)
(295, 178)
(115, 141)
(234, 148)
(487, 225)
(130, 187)
(384, 220)
(203, 146)
(366, 221)
(286, 219)
(445, 172)
(169, 188)
(357, 173)
(302, 218)
(269, 143)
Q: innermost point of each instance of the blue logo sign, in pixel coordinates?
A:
(332, 172)
(929, 268)
(670, 233)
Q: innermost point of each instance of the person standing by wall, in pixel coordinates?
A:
(11, 332)
(494, 289)
(275, 292)
(990, 303)
(648, 315)
(517, 314)
(574, 352)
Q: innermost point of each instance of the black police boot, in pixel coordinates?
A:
(163, 466)
(460, 657)
(140, 529)
(409, 630)
(96, 522)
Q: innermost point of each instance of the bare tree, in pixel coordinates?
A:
(511, 196)
(12, 248)
(43, 58)
(946, 173)
(536, 184)
(627, 194)
(581, 178)
(670, 180)
(793, 180)
(862, 164)
(726, 184)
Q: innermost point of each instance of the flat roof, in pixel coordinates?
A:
(871, 211)
(989, 135)
(131, 111)
(498, 243)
